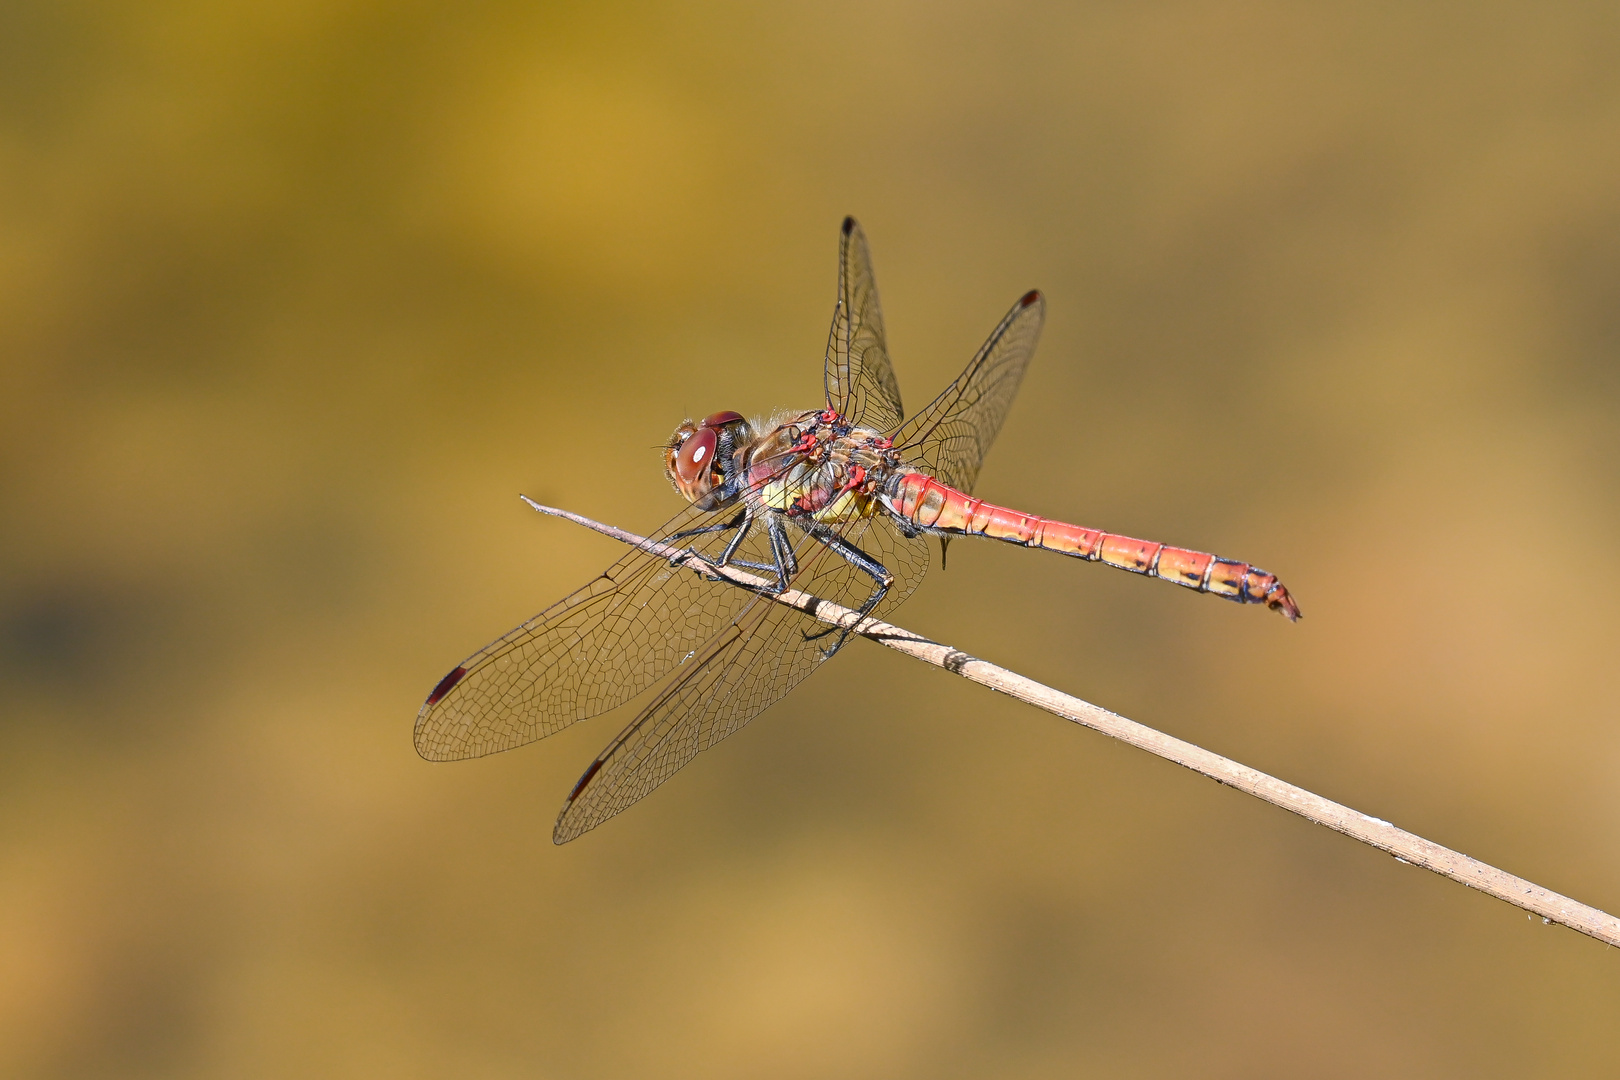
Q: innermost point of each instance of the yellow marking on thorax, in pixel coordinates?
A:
(783, 492)
(776, 495)
(849, 506)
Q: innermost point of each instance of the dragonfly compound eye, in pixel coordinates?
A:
(694, 462)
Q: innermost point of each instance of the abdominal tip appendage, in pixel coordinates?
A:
(1279, 600)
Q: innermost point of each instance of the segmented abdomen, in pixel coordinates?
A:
(926, 502)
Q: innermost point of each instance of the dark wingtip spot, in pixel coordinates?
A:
(849, 225)
(445, 684)
(596, 767)
(1030, 297)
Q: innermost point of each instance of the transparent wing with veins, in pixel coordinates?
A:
(746, 667)
(591, 651)
(950, 437)
(859, 379)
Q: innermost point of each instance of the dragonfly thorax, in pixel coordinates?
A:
(818, 465)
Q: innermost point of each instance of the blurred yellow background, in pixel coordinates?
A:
(295, 298)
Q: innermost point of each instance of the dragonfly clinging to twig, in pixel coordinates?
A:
(835, 502)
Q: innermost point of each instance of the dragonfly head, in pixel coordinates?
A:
(699, 454)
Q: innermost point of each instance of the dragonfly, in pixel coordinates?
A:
(836, 502)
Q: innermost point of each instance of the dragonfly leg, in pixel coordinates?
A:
(739, 521)
(787, 565)
(783, 565)
(878, 572)
(742, 523)
(731, 550)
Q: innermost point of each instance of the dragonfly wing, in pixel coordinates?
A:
(860, 381)
(748, 666)
(589, 652)
(950, 437)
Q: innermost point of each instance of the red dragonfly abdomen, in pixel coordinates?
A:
(926, 502)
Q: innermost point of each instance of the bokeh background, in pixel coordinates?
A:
(296, 297)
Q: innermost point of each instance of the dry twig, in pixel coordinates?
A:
(1405, 846)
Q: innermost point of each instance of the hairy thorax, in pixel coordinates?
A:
(816, 465)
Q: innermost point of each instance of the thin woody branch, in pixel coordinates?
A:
(1405, 846)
